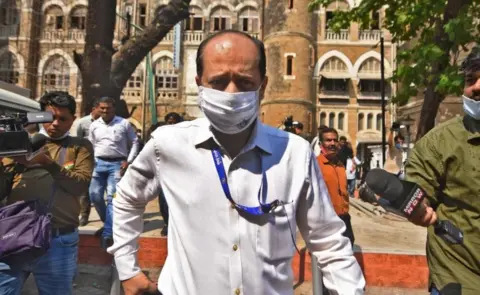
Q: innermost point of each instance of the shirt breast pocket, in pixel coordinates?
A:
(276, 232)
(118, 134)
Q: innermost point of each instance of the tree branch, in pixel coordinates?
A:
(78, 59)
(130, 55)
(432, 98)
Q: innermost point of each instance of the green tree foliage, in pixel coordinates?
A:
(434, 34)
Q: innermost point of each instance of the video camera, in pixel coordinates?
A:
(14, 140)
(16, 111)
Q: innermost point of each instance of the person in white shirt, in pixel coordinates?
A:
(236, 188)
(115, 145)
(351, 170)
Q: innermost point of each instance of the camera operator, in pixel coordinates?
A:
(446, 164)
(61, 173)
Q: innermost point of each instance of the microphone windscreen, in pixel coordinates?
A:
(38, 141)
(384, 184)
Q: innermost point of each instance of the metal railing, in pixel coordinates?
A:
(343, 35)
(370, 35)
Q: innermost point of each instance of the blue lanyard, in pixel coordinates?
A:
(259, 210)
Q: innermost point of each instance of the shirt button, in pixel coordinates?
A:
(237, 291)
(235, 247)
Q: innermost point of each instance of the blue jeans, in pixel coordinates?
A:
(434, 292)
(351, 187)
(54, 272)
(105, 178)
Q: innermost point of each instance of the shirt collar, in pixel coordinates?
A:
(259, 137)
(114, 120)
(473, 127)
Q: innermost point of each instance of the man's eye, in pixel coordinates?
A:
(248, 84)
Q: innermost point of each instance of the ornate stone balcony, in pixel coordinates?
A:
(343, 35)
(8, 31)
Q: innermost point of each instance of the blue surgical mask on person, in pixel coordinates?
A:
(229, 113)
(471, 107)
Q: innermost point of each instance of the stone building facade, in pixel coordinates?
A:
(315, 74)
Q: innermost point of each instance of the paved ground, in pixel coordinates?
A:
(374, 231)
(95, 280)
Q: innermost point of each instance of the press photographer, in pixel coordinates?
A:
(50, 183)
(445, 163)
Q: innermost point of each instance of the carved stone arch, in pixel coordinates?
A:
(58, 3)
(334, 53)
(372, 54)
(246, 4)
(76, 4)
(19, 58)
(217, 4)
(160, 54)
(41, 64)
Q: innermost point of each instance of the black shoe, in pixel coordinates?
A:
(99, 232)
(164, 231)
(106, 242)
(84, 220)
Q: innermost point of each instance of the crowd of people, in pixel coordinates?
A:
(232, 191)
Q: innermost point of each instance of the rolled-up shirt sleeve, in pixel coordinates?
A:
(322, 231)
(138, 186)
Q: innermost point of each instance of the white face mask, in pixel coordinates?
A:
(229, 113)
(471, 107)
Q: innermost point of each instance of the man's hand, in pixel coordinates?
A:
(42, 159)
(138, 285)
(423, 217)
(123, 167)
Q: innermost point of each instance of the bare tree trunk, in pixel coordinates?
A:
(98, 52)
(130, 55)
(105, 72)
(432, 98)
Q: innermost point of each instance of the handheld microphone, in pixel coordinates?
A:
(36, 142)
(407, 197)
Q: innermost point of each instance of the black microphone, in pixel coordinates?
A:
(407, 197)
(36, 143)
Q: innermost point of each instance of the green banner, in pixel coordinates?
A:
(151, 89)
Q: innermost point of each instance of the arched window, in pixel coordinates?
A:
(9, 68)
(370, 66)
(360, 123)
(323, 119)
(369, 121)
(331, 120)
(221, 19)
(195, 21)
(334, 65)
(166, 78)
(54, 18)
(341, 121)
(249, 20)
(9, 13)
(56, 74)
(379, 122)
(136, 80)
(78, 18)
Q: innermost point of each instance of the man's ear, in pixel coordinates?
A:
(263, 87)
(198, 81)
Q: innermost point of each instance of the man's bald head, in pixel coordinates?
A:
(225, 46)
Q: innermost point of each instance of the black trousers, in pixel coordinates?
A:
(349, 231)
(162, 202)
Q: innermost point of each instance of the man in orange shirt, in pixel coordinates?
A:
(335, 177)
